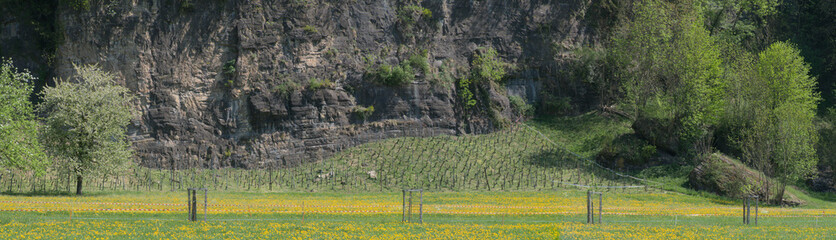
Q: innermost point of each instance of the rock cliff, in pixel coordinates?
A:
(260, 83)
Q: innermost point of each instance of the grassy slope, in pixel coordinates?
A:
(587, 133)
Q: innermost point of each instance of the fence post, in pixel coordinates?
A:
(744, 210)
(403, 206)
(409, 214)
(600, 206)
(588, 206)
(421, 207)
(189, 203)
(757, 204)
(205, 202)
(748, 209)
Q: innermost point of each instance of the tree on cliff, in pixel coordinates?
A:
(19, 146)
(86, 121)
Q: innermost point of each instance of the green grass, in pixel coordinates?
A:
(584, 134)
(269, 222)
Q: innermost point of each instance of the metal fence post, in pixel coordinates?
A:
(757, 204)
(194, 205)
(409, 214)
(189, 203)
(588, 206)
(421, 207)
(744, 211)
(748, 209)
(600, 206)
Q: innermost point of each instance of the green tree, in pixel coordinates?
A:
(19, 146)
(790, 103)
(670, 69)
(86, 122)
(640, 49)
(700, 97)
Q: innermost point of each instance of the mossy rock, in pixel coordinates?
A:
(729, 177)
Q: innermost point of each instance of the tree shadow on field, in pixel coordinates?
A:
(560, 160)
(51, 194)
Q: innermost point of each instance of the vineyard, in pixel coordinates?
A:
(515, 159)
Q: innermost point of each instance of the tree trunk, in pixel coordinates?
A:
(780, 198)
(78, 185)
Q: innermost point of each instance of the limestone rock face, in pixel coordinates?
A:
(226, 83)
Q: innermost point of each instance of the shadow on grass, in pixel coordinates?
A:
(53, 194)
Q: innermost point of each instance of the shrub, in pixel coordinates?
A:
(186, 6)
(521, 108)
(556, 105)
(316, 83)
(626, 152)
(364, 112)
(286, 88)
(419, 61)
(229, 70)
(229, 67)
(310, 29)
(488, 67)
(394, 75)
(465, 94)
(408, 15)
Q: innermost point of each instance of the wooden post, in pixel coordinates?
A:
(403, 206)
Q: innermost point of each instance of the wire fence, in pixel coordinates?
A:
(574, 209)
(518, 159)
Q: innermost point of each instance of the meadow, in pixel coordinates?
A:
(558, 214)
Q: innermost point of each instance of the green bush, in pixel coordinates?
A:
(626, 151)
(316, 83)
(521, 108)
(394, 75)
(419, 61)
(80, 5)
(229, 67)
(310, 29)
(465, 94)
(229, 70)
(444, 78)
(364, 112)
(410, 14)
(556, 105)
(286, 88)
(488, 67)
(186, 6)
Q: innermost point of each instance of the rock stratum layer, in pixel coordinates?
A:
(211, 77)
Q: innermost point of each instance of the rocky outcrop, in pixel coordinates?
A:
(226, 83)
